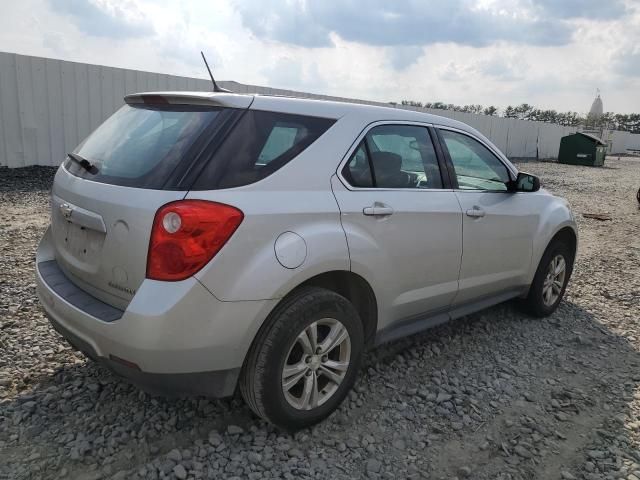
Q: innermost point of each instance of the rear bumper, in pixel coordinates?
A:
(219, 383)
(174, 337)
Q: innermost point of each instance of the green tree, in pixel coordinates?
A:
(523, 111)
(549, 116)
(510, 112)
(618, 121)
(477, 109)
(491, 111)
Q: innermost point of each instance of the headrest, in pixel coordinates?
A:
(386, 162)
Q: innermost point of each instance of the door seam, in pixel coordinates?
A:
(344, 232)
(455, 297)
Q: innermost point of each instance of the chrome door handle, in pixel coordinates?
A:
(82, 217)
(475, 212)
(377, 210)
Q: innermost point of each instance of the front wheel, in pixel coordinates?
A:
(550, 281)
(304, 360)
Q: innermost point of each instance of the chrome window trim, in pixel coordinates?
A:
(359, 139)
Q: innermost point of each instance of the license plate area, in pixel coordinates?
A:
(76, 240)
(82, 243)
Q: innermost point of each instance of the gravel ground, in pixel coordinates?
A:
(495, 395)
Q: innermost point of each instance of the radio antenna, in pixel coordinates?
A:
(216, 88)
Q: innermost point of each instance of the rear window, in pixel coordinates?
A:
(144, 145)
(260, 143)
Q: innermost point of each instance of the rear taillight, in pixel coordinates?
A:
(187, 234)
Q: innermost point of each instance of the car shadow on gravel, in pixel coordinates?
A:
(505, 391)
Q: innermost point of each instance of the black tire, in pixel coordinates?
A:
(534, 303)
(261, 377)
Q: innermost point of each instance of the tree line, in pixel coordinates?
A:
(616, 121)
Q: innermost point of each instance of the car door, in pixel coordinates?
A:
(498, 225)
(403, 226)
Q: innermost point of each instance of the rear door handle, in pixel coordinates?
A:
(82, 217)
(378, 210)
(475, 212)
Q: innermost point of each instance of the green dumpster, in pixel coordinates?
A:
(582, 149)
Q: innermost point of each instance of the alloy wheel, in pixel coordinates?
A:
(554, 280)
(316, 364)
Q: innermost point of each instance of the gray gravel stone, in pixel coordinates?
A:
(235, 430)
(464, 472)
(373, 465)
(399, 444)
(180, 472)
(492, 385)
(254, 457)
(174, 455)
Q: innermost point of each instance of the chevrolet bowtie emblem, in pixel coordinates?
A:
(66, 210)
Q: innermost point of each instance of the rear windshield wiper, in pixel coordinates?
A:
(83, 162)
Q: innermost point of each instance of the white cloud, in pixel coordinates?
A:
(105, 18)
(263, 43)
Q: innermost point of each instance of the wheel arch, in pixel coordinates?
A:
(567, 235)
(355, 289)
(565, 232)
(347, 284)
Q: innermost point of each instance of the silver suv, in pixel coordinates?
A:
(205, 241)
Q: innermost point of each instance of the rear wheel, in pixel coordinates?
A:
(550, 281)
(305, 359)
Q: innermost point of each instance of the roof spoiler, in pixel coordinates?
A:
(228, 100)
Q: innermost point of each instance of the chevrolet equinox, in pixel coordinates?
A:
(203, 242)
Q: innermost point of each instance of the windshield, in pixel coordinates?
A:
(142, 146)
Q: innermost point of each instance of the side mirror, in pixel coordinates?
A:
(525, 183)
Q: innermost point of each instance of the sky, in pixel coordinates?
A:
(548, 53)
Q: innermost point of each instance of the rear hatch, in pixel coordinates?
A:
(142, 157)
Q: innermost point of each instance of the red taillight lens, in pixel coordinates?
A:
(186, 235)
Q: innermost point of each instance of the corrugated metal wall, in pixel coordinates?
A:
(633, 142)
(48, 106)
(621, 142)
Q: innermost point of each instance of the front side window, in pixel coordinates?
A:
(394, 156)
(476, 167)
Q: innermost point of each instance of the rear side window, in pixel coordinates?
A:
(260, 144)
(281, 139)
(358, 171)
(143, 145)
(401, 156)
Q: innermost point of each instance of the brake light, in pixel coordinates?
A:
(186, 235)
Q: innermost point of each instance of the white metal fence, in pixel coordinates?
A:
(48, 106)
